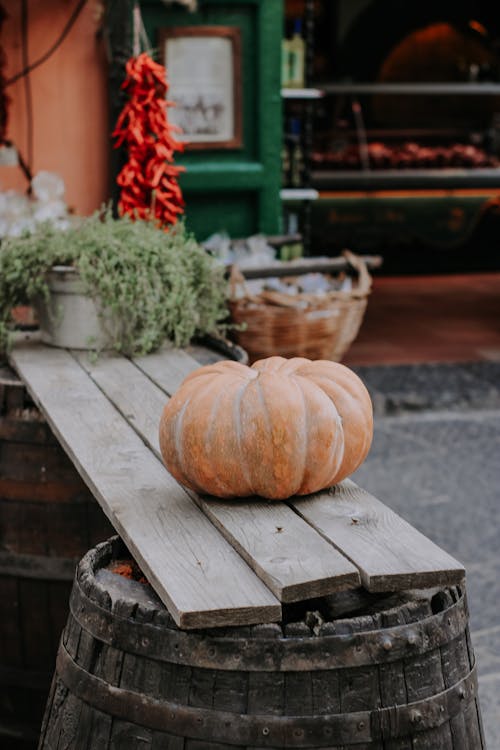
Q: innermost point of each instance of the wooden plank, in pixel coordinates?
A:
(167, 367)
(390, 554)
(285, 552)
(292, 559)
(189, 564)
(139, 400)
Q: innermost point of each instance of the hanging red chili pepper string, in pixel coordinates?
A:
(148, 181)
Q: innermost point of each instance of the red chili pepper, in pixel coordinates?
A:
(149, 179)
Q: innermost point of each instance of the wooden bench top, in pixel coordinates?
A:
(213, 562)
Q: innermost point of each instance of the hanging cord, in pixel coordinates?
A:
(136, 45)
(28, 94)
(69, 25)
(22, 164)
(140, 40)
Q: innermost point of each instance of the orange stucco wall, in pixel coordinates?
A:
(70, 119)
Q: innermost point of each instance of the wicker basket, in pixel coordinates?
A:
(302, 325)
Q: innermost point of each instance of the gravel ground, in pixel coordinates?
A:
(437, 463)
(414, 388)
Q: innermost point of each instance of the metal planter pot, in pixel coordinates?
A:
(71, 318)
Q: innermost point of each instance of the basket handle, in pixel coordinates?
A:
(364, 278)
(237, 280)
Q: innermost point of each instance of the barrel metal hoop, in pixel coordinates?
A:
(265, 731)
(307, 654)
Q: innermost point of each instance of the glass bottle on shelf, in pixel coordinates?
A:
(296, 58)
(285, 63)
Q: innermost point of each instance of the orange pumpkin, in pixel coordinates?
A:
(282, 427)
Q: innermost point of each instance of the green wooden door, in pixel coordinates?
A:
(235, 189)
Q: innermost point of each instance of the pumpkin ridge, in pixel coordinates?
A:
(339, 448)
(201, 394)
(214, 421)
(357, 406)
(262, 399)
(179, 432)
(269, 364)
(178, 443)
(226, 367)
(353, 399)
(237, 412)
(269, 433)
(306, 440)
(292, 365)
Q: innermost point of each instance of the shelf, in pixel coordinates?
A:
(298, 194)
(399, 178)
(318, 264)
(460, 134)
(302, 93)
(437, 89)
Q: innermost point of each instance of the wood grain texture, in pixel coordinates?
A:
(167, 367)
(292, 559)
(287, 554)
(200, 578)
(390, 554)
(139, 400)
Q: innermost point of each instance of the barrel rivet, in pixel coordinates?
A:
(413, 639)
(415, 717)
(387, 644)
(265, 731)
(361, 725)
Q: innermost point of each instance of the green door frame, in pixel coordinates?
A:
(255, 169)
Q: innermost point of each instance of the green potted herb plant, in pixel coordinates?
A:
(112, 283)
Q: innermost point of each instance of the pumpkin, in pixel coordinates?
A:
(279, 428)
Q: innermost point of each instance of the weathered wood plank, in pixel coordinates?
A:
(286, 553)
(390, 554)
(292, 559)
(167, 367)
(196, 573)
(137, 398)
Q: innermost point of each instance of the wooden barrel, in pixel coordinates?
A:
(385, 672)
(48, 520)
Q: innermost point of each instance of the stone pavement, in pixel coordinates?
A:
(436, 461)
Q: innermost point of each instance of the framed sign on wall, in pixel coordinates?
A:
(204, 71)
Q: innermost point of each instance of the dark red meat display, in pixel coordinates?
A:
(407, 155)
